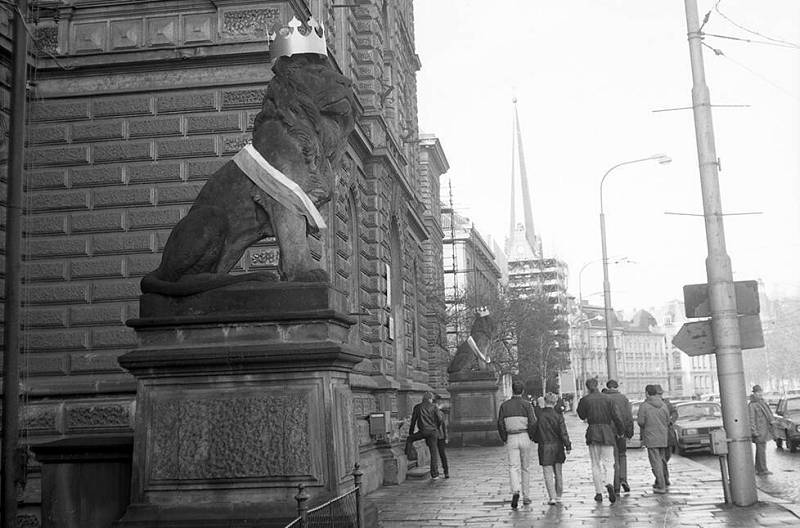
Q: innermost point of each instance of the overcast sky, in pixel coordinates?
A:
(588, 75)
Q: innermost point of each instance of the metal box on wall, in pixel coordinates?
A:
(380, 423)
(719, 442)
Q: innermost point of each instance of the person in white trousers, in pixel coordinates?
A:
(516, 424)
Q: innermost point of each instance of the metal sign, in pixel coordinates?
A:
(697, 303)
(697, 339)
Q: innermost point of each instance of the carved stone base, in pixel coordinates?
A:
(235, 409)
(474, 402)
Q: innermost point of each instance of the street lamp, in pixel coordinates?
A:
(580, 274)
(611, 355)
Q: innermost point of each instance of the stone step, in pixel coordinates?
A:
(419, 473)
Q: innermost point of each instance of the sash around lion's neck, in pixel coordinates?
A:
(277, 185)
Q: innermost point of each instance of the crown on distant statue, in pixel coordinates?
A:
(298, 38)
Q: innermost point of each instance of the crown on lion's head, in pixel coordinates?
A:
(296, 38)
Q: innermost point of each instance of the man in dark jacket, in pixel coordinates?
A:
(761, 419)
(427, 417)
(654, 419)
(516, 424)
(623, 407)
(604, 421)
(554, 444)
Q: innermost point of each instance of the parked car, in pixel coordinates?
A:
(696, 419)
(772, 398)
(786, 427)
(636, 440)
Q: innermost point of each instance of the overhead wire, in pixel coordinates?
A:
(750, 41)
(719, 53)
(751, 31)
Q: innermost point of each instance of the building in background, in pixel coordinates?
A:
(472, 275)
(642, 357)
(133, 105)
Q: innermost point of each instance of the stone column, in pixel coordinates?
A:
(242, 394)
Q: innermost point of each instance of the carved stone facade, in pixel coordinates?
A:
(204, 438)
(132, 106)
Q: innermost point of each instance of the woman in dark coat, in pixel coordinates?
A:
(551, 435)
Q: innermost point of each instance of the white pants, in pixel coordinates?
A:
(520, 452)
(602, 466)
(553, 481)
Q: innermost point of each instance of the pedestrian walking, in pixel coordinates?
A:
(553, 446)
(761, 420)
(654, 422)
(516, 424)
(538, 405)
(560, 406)
(603, 421)
(441, 440)
(623, 406)
(426, 417)
(672, 440)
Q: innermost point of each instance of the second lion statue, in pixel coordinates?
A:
(302, 130)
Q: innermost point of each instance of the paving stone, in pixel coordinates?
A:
(477, 495)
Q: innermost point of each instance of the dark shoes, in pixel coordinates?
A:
(764, 473)
(446, 474)
(515, 501)
(598, 497)
(625, 487)
(612, 495)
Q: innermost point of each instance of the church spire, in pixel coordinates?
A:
(518, 172)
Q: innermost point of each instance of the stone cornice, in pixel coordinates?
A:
(431, 144)
(150, 79)
(416, 223)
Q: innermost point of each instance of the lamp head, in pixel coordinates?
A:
(662, 159)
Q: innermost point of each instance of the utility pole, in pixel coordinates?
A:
(724, 319)
(11, 336)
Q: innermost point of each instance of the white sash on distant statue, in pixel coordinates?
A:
(474, 346)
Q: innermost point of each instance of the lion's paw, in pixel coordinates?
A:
(311, 275)
(266, 276)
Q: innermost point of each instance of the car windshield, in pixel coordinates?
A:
(699, 410)
(793, 404)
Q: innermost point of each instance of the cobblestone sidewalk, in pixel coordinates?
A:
(477, 495)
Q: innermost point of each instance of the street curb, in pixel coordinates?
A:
(763, 496)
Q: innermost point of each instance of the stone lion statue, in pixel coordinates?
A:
(473, 353)
(302, 130)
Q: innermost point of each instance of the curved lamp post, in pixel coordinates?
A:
(611, 355)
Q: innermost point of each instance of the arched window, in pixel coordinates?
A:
(415, 316)
(394, 299)
(354, 250)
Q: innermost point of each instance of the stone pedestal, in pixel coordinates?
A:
(474, 402)
(242, 395)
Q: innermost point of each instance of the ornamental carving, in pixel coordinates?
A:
(46, 39)
(250, 437)
(254, 23)
(98, 416)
